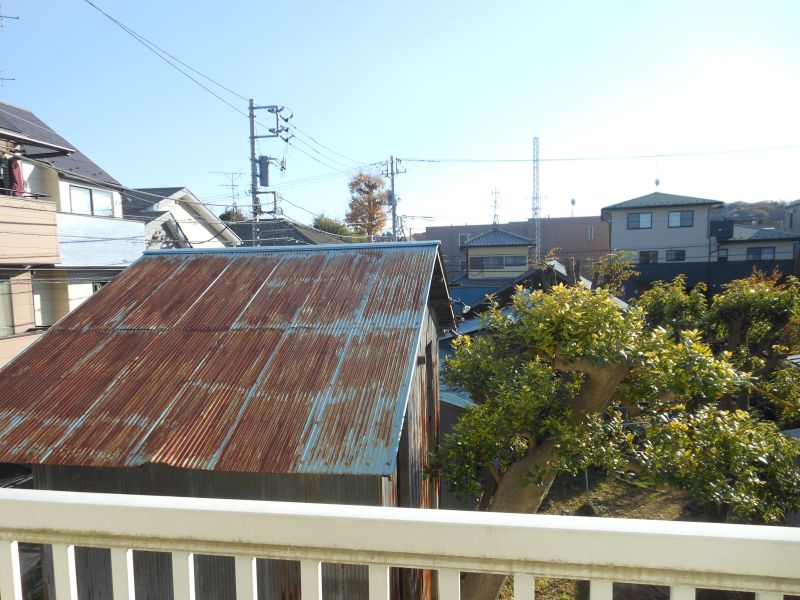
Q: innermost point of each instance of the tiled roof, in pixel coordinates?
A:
(77, 163)
(659, 200)
(497, 237)
(281, 360)
(750, 233)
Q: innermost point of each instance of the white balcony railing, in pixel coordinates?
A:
(684, 556)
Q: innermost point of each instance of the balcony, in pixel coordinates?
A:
(683, 556)
(28, 230)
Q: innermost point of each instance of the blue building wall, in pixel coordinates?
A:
(89, 241)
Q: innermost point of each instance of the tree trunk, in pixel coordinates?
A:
(517, 492)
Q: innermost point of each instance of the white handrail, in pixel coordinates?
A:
(743, 557)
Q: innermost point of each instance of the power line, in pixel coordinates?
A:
(604, 158)
(162, 54)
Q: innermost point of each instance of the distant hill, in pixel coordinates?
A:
(768, 210)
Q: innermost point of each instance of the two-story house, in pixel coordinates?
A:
(64, 235)
(492, 259)
(666, 235)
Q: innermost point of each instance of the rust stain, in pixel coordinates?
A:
(276, 361)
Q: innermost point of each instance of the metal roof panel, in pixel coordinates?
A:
(281, 360)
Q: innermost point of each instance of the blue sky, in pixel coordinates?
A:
(426, 80)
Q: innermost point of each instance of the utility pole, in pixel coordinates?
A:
(537, 203)
(392, 169)
(259, 165)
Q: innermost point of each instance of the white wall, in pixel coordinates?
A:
(784, 250)
(660, 237)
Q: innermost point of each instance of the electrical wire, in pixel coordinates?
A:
(603, 158)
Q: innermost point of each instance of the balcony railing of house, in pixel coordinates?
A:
(683, 556)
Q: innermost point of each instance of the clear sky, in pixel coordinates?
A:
(426, 80)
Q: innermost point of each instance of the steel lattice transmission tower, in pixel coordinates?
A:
(537, 203)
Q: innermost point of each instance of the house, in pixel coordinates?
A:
(281, 231)
(176, 218)
(584, 239)
(493, 258)
(304, 374)
(63, 235)
(666, 235)
(791, 220)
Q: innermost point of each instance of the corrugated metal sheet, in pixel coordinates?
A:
(89, 241)
(272, 360)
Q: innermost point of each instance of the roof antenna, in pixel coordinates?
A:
(495, 195)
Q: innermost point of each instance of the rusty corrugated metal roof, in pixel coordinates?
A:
(273, 360)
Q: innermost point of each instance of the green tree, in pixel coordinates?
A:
(757, 320)
(232, 214)
(566, 379)
(368, 201)
(336, 227)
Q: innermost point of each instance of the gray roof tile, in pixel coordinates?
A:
(749, 233)
(77, 163)
(659, 200)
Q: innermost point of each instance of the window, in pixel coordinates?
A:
(722, 255)
(462, 264)
(6, 314)
(479, 263)
(681, 218)
(676, 255)
(88, 201)
(516, 261)
(761, 253)
(640, 220)
(463, 238)
(648, 257)
(590, 232)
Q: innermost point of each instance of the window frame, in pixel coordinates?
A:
(722, 255)
(639, 216)
(759, 250)
(93, 204)
(652, 253)
(6, 306)
(676, 252)
(520, 260)
(681, 214)
(463, 238)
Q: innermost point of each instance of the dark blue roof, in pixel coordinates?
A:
(497, 237)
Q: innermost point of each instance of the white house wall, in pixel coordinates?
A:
(199, 233)
(784, 249)
(660, 237)
(40, 180)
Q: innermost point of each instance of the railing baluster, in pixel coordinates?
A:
(378, 582)
(183, 575)
(524, 587)
(449, 584)
(601, 589)
(10, 577)
(310, 580)
(682, 592)
(122, 574)
(246, 578)
(64, 572)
